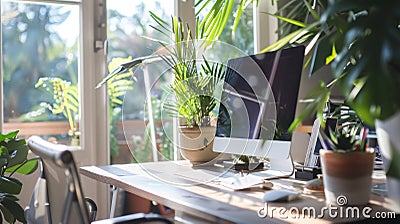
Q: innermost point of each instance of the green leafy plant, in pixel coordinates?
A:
(194, 97)
(13, 159)
(349, 134)
(194, 85)
(367, 66)
(218, 13)
(65, 96)
(360, 39)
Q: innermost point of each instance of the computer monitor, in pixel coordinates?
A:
(258, 104)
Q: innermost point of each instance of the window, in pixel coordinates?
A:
(55, 39)
(40, 69)
(50, 68)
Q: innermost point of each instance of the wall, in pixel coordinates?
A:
(300, 140)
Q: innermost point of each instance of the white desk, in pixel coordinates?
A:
(211, 203)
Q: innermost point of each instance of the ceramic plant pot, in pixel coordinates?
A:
(196, 143)
(388, 133)
(347, 177)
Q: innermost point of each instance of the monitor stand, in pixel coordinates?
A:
(273, 169)
(278, 153)
(278, 168)
(244, 166)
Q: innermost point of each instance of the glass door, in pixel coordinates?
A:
(40, 55)
(52, 57)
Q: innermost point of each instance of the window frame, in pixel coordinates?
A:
(93, 102)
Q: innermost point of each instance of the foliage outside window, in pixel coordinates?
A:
(35, 45)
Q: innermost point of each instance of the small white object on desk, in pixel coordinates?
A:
(242, 181)
(280, 195)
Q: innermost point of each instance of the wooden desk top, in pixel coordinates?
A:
(212, 202)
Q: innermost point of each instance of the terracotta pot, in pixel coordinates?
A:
(196, 143)
(347, 175)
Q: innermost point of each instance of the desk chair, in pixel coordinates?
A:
(58, 196)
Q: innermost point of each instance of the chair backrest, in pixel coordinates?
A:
(63, 191)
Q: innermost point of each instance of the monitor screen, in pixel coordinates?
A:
(259, 96)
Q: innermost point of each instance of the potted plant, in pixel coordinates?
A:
(13, 159)
(367, 68)
(194, 87)
(345, 159)
(361, 42)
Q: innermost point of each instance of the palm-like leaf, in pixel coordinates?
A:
(361, 38)
(119, 83)
(217, 17)
(65, 97)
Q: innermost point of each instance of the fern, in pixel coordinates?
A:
(65, 96)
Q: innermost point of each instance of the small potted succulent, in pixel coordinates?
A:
(347, 163)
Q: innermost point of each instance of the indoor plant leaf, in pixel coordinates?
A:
(15, 209)
(319, 96)
(322, 51)
(27, 167)
(10, 185)
(4, 156)
(291, 21)
(18, 151)
(12, 134)
(8, 216)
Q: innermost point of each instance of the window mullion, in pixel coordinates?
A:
(265, 26)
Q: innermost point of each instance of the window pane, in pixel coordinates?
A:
(129, 35)
(40, 69)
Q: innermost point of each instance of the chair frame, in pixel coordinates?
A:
(60, 156)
